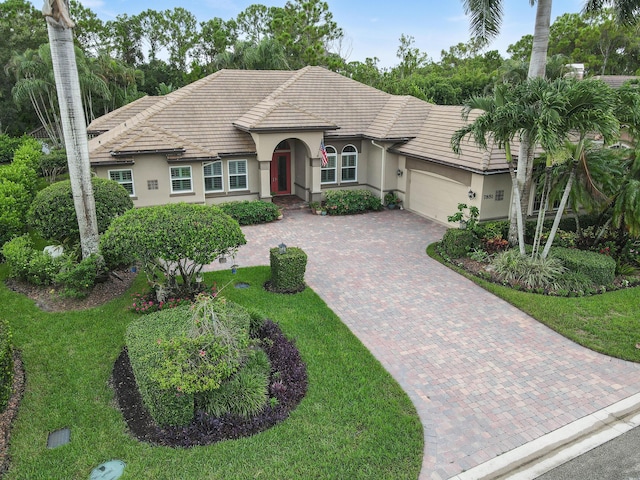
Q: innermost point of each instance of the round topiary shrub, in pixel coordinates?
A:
(53, 213)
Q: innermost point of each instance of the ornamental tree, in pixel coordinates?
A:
(171, 242)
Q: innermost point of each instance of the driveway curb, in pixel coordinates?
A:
(566, 443)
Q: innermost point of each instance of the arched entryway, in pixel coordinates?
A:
(281, 169)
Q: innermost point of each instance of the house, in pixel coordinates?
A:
(244, 135)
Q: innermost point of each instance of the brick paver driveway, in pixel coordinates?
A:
(484, 377)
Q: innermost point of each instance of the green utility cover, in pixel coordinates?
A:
(108, 470)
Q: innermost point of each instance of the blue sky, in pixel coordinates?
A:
(372, 27)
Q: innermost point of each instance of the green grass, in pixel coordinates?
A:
(606, 323)
(355, 421)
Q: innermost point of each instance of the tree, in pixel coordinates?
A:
(21, 28)
(626, 10)
(171, 241)
(486, 19)
(254, 23)
(305, 28)
(35, 85)
(90, 30)
(59, 25)
(125, 38)
(216, 36)
(179, 36)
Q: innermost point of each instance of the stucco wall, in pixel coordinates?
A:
(157, 168)
(493, 187)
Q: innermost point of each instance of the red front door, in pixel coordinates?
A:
(281, 173)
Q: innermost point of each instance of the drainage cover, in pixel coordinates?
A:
(58, 438)
(108, 470)
(242, 285)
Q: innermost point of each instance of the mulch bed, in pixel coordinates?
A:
(288, 389)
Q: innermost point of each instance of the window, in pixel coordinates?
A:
(124, 178)
(238, 175)
(349, 163)
(328, 172)
(499, 195)
(537, 202)
(181, 179)
(152, 184)
(213, 177)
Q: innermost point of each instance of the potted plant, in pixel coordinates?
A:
(315, 207)
(391, 200)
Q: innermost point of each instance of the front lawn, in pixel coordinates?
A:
(355, 422)
(607, 323)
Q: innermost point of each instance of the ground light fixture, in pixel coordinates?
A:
(282, 248)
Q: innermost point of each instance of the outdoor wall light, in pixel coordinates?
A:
(471, 194)
(282, 248)
(399, 172)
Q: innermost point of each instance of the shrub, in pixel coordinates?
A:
(575, 282)
(251, 212)
(495, 245)
(287, 270)
(468, 220)
(347, 202)
(167, 407)
(458, 243)
(244, 394)
(53, 164)
(14, 204)
(6, 364)
(170, 241)
(497, 229)
(26, 263)
(533, 273)
(601, 269)
(8, 146)
(178, 353)
(53, 212)
(79, 278)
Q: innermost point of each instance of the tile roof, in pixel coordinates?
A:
(615, 81)
(214, 115)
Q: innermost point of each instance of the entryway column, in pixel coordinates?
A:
(315, 193)
(265, 180)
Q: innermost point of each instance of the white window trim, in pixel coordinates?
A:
(171, 179)
(246, 175)
(355, 168)
(221, 176)
(133, 185)
(333, 155)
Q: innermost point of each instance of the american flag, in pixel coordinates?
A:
(323, 152)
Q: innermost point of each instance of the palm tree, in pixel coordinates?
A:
(59, 25)
(626, 10)
(486, 19)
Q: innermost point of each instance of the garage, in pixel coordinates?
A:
(435, 196)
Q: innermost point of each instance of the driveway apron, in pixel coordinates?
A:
(484, 377)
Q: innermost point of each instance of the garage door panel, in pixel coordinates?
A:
(434, 196)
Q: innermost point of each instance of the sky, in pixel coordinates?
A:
(372, 28)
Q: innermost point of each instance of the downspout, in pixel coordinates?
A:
(382, 165)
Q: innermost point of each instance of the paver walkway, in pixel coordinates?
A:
(484, 377)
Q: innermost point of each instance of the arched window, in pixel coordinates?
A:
(328, 171)
(349, 164)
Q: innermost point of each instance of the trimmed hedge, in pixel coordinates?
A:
(601, 269)
(287, 270)
(6, 364)
(251, 212)
(458, 243)
(348, 202)
(145, 354)
(53, 212)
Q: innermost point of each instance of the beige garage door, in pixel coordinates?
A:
(434, 196)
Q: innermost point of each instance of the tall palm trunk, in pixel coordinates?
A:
(73, 121)
(537, 66)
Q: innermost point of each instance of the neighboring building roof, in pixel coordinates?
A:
(615, 81)
(214, 116)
